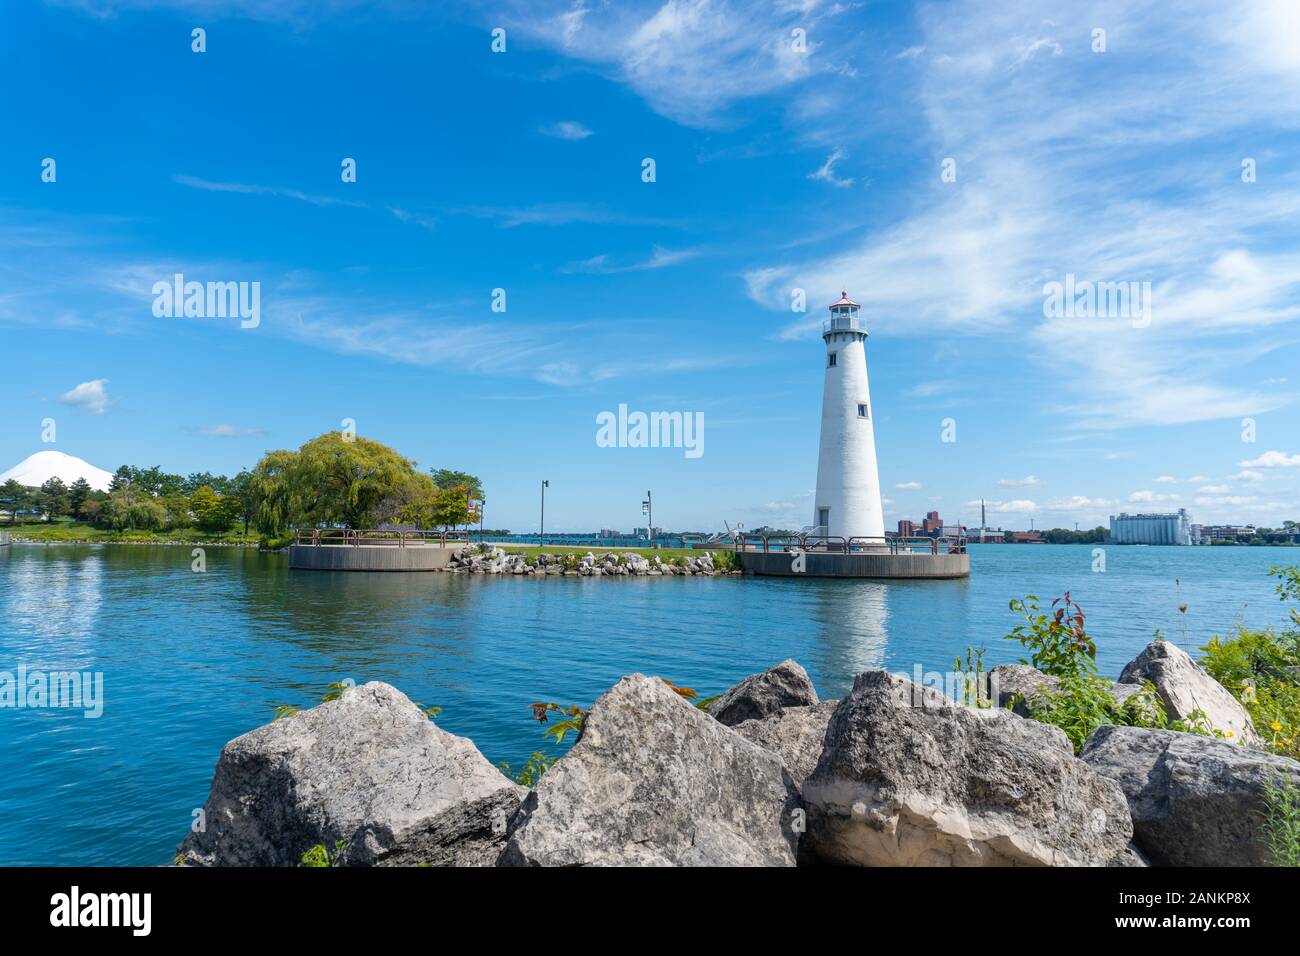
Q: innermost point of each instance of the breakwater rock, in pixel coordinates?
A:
(767, 775)
(486, 559)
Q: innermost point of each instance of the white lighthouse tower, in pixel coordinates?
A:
(848, 483)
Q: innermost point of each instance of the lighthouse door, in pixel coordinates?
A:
(824, 520)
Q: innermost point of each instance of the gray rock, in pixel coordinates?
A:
(1184, 688)
(909, 778)
(761, 695)
(369, 768)
(795, 734)
(1195, 801)
(657, 782)
(1019, 683)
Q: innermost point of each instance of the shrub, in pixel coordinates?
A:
(1059, 646)
(1282, 821)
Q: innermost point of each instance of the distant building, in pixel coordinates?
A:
(932, 523)
(1026, 537)
(1207, 533)
(906, 529)
(1174, 528)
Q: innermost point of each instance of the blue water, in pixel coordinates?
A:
(192, 660)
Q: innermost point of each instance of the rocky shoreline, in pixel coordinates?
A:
(895, 774)
(493, 560)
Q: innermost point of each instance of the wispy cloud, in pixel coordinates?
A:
(250, 189)
(1032, 119)
(226, 431)
(565, 129)
(826, 172)
(659, 258)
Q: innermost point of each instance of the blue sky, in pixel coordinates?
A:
(775, 169)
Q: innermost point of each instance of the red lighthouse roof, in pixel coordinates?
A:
(844, 300)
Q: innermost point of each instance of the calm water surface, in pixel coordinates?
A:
(192, 660)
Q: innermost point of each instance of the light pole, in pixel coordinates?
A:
(482, 506)
(541, 534)
(647, 508)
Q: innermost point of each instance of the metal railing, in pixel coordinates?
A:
(858, 544)
(368, 537)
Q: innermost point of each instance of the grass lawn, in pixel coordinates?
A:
(65, 530)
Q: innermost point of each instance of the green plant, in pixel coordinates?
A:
(1057, 642)
(1281, 829)
(1260, 669)
(531, 771)
(1081, 701)
(320, 856)
(971, 673)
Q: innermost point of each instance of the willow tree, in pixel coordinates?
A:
(331, 480)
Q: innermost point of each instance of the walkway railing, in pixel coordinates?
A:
(350, 537)
(857, 544)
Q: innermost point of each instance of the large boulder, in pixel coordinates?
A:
(796, 735)
(910, 778)
(1195, 801)
(657, 782)
(761, 695)
(1185, 688)
(369, 769)
(1019, 687)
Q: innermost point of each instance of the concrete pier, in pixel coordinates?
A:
(372, 557)
(822, 564)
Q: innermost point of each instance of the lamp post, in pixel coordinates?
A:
(541, 534)
(482, 506)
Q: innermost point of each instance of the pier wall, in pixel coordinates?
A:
(832, 565)
(426, 557)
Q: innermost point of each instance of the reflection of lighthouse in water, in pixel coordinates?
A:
(848, 483)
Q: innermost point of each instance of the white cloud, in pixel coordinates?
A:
(1165, 480)
(1032, 118)
(1018, 506)
(1272, 459)
(565, 129)
(1029, 481)
(908, 485)
(826, 172)
(1248, 475)
(659, 259)
(92, 396)
(226, 431)
(1214, 490)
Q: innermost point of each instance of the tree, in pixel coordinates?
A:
(78, 493)
(122, 511)
(329, 481)
(15, 496)
(122, 479)
(53, 498)
(240, 497)
(446, 478)
(176, 509)
(452, 506)
(211, 511)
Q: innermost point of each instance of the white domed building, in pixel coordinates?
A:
(34, 470)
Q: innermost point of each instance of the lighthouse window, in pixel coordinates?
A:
(831, 359)
(862, 411)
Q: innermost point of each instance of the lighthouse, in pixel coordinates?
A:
(848, 483)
